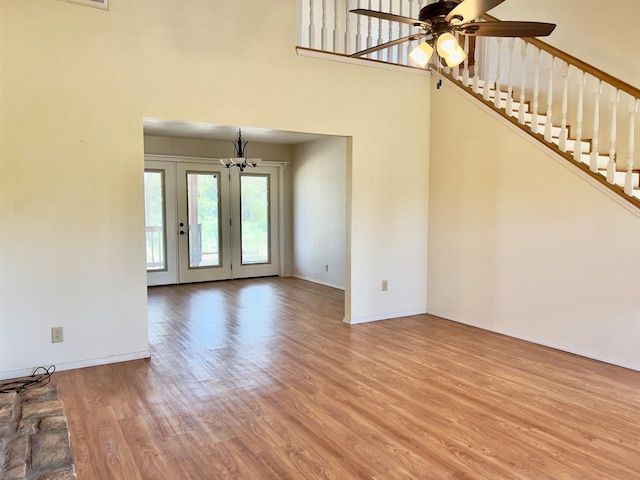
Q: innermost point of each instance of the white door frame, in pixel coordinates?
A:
(272, 267)
(222, 271)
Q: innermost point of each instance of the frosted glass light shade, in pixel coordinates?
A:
(422, 54)
(456, 57)
(446, 44)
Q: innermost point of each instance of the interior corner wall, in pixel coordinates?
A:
(319, 211)
(521, 245)
(76, 83)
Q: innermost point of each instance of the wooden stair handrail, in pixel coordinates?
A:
(584, 66)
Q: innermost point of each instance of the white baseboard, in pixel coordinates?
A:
(384, 316)
(93, 362)
(555, 346)
(315, 280)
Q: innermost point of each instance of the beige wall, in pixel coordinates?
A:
(76, 83)
(521, 245)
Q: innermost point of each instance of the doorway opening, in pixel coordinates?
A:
(303, 225)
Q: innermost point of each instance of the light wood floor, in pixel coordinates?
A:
(259, 379)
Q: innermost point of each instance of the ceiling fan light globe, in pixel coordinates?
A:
(446, 44)
(422, 54)
(456, 57)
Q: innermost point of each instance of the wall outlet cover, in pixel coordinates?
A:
(57, 335)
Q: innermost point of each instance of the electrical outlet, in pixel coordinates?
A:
(385, 285)
(326, 267)
(57, 335)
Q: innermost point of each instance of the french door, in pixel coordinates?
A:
(205, 222)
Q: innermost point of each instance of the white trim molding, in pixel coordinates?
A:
(555, 346)
(92, 362)
(384, 316)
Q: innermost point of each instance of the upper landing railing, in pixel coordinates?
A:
(585, 114)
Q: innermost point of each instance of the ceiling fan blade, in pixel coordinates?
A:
(382, 46)
(390, 16)
(507, 29)
(469, 10)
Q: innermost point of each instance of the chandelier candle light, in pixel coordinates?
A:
(240, 160)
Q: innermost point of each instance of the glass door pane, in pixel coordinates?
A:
(203, 231)
(154, 217)
(255, 227)
(203, 202)
(254, 210)
(160, 220)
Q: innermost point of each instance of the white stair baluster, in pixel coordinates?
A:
(564, 133)
(380, 54)
(369, 27)
(335, 26)
(312, 27)
(347, 40)
(465, 69)
(485, 88)
(358, 31)
(456, 70)
(399, 49)
(548, 126)
(577, 149)
(593, 161)
(523, 56)
(628, 179)
(497, 100)
(323, 30)
(476, 62)
(536, 90)
(611, 165)
(390, 55)
(512, 44)
(411, 44)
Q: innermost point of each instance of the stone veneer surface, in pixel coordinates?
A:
(34, 439)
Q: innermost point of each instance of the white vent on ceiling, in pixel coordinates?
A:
(103, 4)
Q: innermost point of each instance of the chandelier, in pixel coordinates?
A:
(240, 159)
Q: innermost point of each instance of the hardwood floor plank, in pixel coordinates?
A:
(260, 379)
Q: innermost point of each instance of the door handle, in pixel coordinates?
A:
(182, 232)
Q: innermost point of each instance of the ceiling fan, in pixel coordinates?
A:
(440, 20)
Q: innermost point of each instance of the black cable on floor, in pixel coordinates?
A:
(41, 376)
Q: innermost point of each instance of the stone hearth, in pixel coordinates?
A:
(34, 439)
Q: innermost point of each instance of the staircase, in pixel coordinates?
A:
(580, 152)
(579, 112)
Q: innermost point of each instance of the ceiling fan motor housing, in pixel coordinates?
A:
(436, 11)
